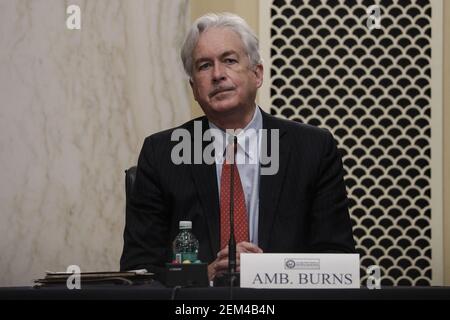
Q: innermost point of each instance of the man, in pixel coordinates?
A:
(302, 207)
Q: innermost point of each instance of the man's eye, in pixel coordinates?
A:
(203, 66)
(230, 61)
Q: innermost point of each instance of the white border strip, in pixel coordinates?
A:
(264, 46)
(437, 185)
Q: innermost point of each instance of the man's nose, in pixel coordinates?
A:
(218, 72)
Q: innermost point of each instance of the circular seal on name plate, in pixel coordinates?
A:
(290, 264)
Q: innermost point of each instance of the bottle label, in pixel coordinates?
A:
(189, 256)
(180, 257)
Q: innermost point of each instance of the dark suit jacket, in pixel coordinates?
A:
(302, 208)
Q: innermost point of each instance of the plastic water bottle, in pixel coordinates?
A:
(185, 245)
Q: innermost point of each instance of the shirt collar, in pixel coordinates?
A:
(247, 138)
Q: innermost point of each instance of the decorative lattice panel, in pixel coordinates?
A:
(372, 89)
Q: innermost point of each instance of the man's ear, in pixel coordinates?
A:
(259, 73)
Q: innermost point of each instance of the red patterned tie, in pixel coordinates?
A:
(240, 211)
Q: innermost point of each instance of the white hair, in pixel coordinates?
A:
(222, 20)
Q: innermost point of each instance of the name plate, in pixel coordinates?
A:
(298, 270)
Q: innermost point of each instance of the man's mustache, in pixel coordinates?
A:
(220, 89)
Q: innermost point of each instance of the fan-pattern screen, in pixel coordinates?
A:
(372, 89)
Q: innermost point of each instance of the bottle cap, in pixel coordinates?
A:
(185, 224)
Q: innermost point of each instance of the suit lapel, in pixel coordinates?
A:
(271, 185)
(205, 180)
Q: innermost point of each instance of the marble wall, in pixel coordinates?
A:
(75, 107)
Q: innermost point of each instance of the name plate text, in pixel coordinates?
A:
(298, 270)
